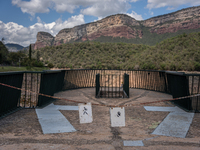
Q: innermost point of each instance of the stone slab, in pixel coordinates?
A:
(175, 124)
(133, 143)
(60, 107)
(53, 121)
(50, 107)
(167, 109)
(44, 113)
(56, 126)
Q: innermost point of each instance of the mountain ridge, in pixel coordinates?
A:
(12, 47)
(122, 26)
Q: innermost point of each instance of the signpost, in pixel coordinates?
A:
(117, 116)
(85, 113)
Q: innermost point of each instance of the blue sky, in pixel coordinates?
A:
(20, 20)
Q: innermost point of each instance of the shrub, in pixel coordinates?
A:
(70, 66)
(50, 65)
(162, 66)
(39, 64)
(144, 66)
(173, 67)
(151, 66)
(197, 66)
(136, 67)
(184, 34)
(58, 65)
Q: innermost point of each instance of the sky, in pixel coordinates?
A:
(21, 20)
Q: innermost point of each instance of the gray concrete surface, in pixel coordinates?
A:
(133, 143)
(53, 121)
(176, 124)
(167, 109)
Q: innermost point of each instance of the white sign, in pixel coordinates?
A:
(85, 113)
(117, 116)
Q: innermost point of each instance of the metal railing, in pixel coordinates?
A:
(177, 84)
(9, 97)
(112, 86)
(31, 82)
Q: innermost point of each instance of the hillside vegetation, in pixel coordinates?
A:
(3, 53)
(178, 53)
(148, 38)
(14, 68)
(20, 58)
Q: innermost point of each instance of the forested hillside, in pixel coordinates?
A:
(178, 53)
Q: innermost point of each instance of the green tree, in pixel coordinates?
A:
(3, 53)
(2, 40)
(30, 51)
(38, 56)
(14, 57)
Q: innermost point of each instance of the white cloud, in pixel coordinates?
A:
(105, 8)
(98, 8)
(135, 16)
(151, 13)
(170, 8)
(71, 22)
(65, 7)
(14, 33)
(133, 1)
(33, 6)
(170, 3)
(39, 20)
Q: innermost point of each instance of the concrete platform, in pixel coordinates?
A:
(53, 121)
(133, 143)
(176, 124)
(165, 109)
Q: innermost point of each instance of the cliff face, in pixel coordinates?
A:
(109, 26)
(181, 20)
(175, 26)
(43, 39)
(115, 31)
(183, 14)
(123, 26)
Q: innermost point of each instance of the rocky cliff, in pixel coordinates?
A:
(123, 26)
(109, 26)
(181, 20)
(43, 39)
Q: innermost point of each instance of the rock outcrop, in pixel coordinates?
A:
(116, 31)
(174, 27)
(43, 39)
(99, 28)
(122, 25)
(181, 20)
(184, 14)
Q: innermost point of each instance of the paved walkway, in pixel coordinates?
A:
(53, 121)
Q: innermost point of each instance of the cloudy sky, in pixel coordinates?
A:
(20, 20)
